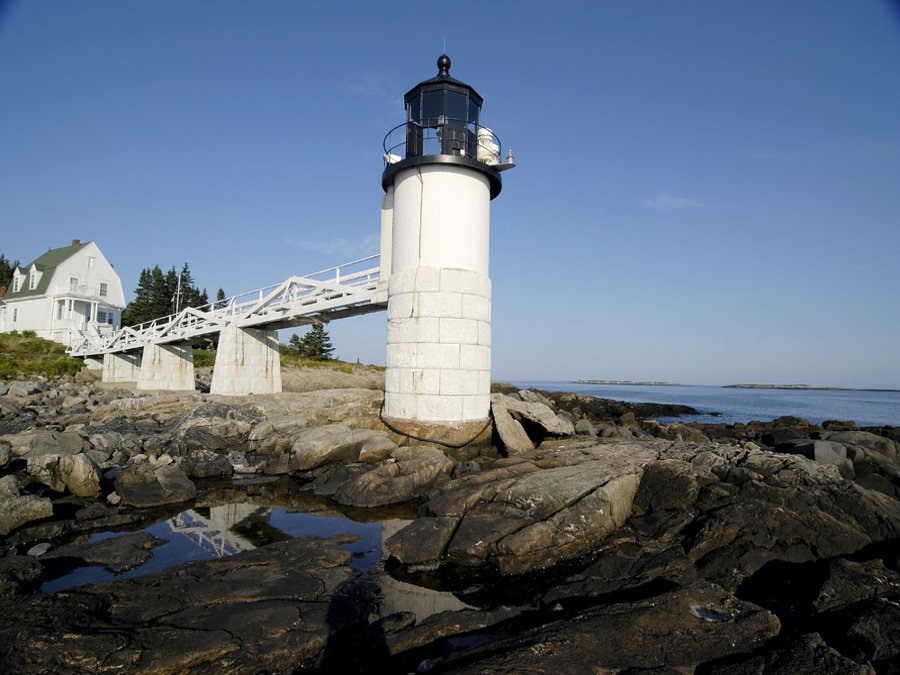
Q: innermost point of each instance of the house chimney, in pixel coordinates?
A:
(76, 242)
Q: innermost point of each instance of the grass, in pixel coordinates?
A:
(289, 359)
(26, 355)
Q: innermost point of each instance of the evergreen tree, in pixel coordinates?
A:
(315, 344)
(139, 309)
(6, 270)
(158, 294)
(161, 294)
(294, 343)
(220, 298)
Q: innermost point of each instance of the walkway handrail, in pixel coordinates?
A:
(340, 287)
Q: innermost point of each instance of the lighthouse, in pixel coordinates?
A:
(442, 169)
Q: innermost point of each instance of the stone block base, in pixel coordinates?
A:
(409, 432)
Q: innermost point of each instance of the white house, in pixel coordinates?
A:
(64, 292)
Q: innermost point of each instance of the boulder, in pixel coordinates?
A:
(849, 582)
(535, 412)
(79, 473)
(756, 506)
(584, 427)
(869, 631)
(804, 654)
(202, 463)
(522, 424)
(215, 426)
(331, 444)
(22, 389)
(409, 473)
(45, 442)
(532, 396)
(144, 486)
(527, 514)
(19, 575)
(668, 633)
(511, 433)
(117, 554)
(840, 425)
(824, 452)
(17, 509)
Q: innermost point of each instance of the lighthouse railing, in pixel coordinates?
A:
(447, 136)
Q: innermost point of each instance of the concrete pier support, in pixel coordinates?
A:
(247, 362)
(169, 367)
(121, 367)
(93, 362)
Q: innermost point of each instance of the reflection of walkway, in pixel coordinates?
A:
(214, 533)
(231, 528)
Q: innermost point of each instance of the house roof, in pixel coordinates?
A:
(46, 264)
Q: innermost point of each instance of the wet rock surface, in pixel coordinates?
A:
(633, 546)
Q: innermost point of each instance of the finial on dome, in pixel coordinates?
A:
(443, 64)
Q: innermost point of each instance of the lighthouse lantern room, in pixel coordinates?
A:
(442, 169)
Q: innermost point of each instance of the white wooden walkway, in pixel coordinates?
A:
(346, 290)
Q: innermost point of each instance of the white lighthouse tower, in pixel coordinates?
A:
(442, 169)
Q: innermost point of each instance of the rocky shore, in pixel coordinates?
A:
(582, 536)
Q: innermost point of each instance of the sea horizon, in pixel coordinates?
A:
(717, 404)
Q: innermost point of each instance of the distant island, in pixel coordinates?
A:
(630, 383)
(782, 386)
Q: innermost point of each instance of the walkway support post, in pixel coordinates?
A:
(247, 362)
(167, 366)
(121, 367)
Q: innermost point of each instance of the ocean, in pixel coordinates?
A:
(866, 408)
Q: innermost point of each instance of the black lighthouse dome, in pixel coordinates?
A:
(443, 125)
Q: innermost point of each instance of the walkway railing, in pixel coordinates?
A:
(342, 291)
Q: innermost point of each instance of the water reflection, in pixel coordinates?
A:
(262, 515)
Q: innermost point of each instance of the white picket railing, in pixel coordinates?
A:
(344, 290)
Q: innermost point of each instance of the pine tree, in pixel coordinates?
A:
(220, 298)
(315, 344)
(139, 309)
(6, 270)
(294, 344)
(158, 294)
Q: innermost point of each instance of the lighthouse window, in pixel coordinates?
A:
(456, 106)
(473, 112)
(432, 107)
(415, 109)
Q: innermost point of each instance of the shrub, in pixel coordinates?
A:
(204, 358)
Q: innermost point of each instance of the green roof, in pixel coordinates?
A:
(46, 264)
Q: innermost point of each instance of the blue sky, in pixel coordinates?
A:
(707, 192)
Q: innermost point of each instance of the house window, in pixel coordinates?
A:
(15, 314)
(73, 284)
(109, 318)
(104, 289)
(60, 309)
(17, 280)
(101, 316)
(32, 281)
